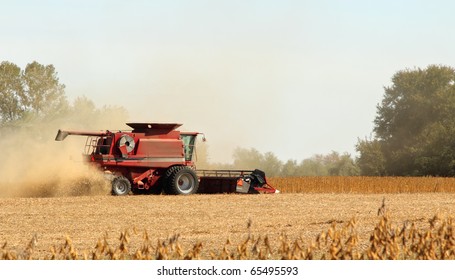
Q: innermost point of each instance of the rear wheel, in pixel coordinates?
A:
(181, 180)
(121, 186)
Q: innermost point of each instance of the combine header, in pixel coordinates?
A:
(155, 158)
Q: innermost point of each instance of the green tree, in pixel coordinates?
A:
(290, 169)
(11, 92)
(371, 160)
(341, 165)
(333, 164)
(43, 94)
(271, 165)
(313, 166)
(247, 158)
(31, 93)
(84, 114)
(415, 122)
(253, 159)
(83, 106)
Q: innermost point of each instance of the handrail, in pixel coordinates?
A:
(222, 173)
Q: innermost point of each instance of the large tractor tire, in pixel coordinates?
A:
(121, 186)
(181, 180)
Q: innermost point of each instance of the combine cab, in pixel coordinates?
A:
(155, 158)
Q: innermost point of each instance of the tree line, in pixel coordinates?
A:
(333, 164)
(414, 127)
(35, 95)
(413, 133)
(35, 90)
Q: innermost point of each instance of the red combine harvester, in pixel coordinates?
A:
(155, 158)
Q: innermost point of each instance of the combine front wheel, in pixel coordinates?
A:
(181, 180)
(121, 186)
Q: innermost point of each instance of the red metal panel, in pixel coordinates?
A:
(160, 148)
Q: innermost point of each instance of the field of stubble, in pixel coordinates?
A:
(206, 220)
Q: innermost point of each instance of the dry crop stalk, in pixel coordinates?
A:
(386, 242)
(362, 184)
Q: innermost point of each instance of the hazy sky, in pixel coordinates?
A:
(296, 78)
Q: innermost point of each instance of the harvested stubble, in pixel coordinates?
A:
(387, 242)
(284, 226)
(362, 184)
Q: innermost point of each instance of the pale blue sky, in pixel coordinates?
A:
(292, 77)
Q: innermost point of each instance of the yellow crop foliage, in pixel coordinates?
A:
(339, 242)
(362, 184)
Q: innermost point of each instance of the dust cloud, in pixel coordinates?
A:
(232, 95)
(234, 105)
(35, 165)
